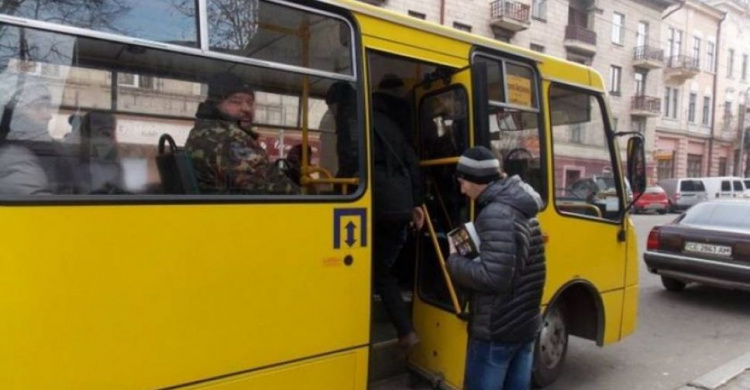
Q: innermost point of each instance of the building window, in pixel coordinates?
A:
(538, 48)
(691, 107)
(730, 64)
(674, 43)
(706, 110)
(711, 57)
(639, 126)
(744, 67)
(135, 81)
(575, 134)
(664, 169)
(694, 165)
(722, 166)
(641, 36)
(696, 51)
(640, 84)
(618, 28)
(461, 26)
(614, 79)
(671, 96)
(418, 15)
(539, 9)
(727, 115)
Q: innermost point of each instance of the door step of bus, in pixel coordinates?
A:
(386, 360)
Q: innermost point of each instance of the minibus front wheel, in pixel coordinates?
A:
(551, 347)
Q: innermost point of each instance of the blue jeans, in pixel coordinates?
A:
(498, 366)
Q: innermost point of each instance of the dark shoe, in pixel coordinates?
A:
(406, 343)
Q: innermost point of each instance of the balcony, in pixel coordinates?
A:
(682, 67)
(510, 15)
(580, 39)
(645, 106)
(647, 57)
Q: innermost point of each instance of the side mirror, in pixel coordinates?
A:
(637, 164)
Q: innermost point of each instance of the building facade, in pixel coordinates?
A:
(732, 85)
(683, 146)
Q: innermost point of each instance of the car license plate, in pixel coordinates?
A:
(720, 250)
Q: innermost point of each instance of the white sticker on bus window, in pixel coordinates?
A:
(613, 203)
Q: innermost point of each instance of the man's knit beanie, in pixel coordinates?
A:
(478, 165)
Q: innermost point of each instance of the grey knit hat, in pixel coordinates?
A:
(478, 165)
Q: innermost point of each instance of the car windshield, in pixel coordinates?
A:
(692, 186)
(721, 215)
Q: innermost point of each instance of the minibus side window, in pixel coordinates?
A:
(585, 184)
(87, 116)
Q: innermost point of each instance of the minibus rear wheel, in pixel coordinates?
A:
(551, 347)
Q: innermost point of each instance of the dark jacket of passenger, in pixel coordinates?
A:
(507, 281)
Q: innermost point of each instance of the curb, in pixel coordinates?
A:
(721, 375)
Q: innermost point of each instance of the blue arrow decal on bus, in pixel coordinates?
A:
(359, 220)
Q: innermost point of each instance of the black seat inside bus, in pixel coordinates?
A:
(175, 168)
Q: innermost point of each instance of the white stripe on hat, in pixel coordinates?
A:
(477, 164)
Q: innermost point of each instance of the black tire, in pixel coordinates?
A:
(672, 284)
(662, 212)
(550, 348)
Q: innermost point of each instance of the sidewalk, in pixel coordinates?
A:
(734, 375)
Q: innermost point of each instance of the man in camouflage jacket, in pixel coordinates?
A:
(225, 151)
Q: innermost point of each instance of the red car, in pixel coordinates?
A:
(653, 199)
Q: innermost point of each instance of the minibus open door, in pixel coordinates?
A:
(444, 119)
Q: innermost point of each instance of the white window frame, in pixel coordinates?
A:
(618, 28)
(711, 56)
(615, 79)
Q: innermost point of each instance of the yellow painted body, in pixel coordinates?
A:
(251, 296)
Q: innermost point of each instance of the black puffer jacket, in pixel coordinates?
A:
(507, 282)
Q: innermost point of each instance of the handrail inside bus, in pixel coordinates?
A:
(439, 161)
(441, 260)
(571, 207)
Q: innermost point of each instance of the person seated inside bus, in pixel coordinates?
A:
(31, 161)
(100, 163)
(293, 161)
(226, 155)
(342, 105)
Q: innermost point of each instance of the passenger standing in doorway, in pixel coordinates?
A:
(507, 280)
(397, 199)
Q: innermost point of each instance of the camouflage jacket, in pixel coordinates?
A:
(228, 159)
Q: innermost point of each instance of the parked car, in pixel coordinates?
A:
(683, 193)
(746, 182)
(598, 186)
(709, 244)
(595, 190)
(654, 199)
(725, 187)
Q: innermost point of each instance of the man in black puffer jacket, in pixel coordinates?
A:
(506, 281)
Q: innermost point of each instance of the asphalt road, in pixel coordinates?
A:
(680, 336)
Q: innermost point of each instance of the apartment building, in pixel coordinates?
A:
(732, 86)
(685, 131)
